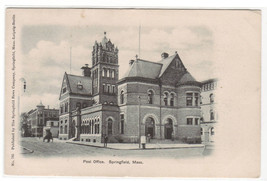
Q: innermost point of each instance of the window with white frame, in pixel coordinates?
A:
(189, 99)
(108, 88)
(193, 120)
(192, 99)
(150, 97)
(189, 121)
(113, 89)
(165, 99)
(104, 87)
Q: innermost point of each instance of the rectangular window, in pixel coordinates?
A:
(52, 123)
(196, 121)
(189, 99)
(196, 99)
(122, 124)
(103, 88)
(108, 88)
(113, 89)
(189, 121)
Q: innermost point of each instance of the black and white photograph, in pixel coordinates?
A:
(130, 89)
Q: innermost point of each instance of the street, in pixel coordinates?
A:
(35, 147)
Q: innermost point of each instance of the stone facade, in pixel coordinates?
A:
(209, 112)
(156, 99)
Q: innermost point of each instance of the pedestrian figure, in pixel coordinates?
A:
(105, 141)
(148, 138)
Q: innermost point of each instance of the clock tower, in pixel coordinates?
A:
(105, 71)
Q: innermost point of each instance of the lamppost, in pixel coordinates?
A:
(139, 119)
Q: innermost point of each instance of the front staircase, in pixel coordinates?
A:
(164, 141)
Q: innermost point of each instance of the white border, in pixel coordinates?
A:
(191, 4)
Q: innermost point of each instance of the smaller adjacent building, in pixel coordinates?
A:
(53, 127)
(38, 117)
(208, 107)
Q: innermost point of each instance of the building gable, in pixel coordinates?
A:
(172, 71)
(65, 88)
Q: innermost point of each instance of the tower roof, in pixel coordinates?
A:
(104, 40)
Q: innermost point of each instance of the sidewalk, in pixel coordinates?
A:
(134, 146)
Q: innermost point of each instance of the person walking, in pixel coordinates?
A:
(105, 141)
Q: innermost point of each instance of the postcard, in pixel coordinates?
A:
(132, 92)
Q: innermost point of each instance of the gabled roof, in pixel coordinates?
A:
(154, 70)
(188, 79)
(165, 63)
(144, 68)
(86, 83)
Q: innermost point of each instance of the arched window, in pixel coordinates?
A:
(122, 97)
(93, 126)
(172, 100)
(109, 126)
(165, 99)
(108, 73)
(212, 131)
(103, 72)
(211, 115)
(211, 98)
(96, 126)
(89, 127)
(61, 129)
(150, 97)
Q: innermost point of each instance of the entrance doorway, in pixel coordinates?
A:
(150, 127)
(168, 129)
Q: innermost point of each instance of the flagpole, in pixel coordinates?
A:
(139, 41)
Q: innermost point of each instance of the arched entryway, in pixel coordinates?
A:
(168, 128)
(150, 127)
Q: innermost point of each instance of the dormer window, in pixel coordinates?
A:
(79, 85)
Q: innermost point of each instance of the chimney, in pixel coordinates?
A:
(131, 62)
(86, 71)
(164, 55)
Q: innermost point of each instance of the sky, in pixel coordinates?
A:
(201, 38)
